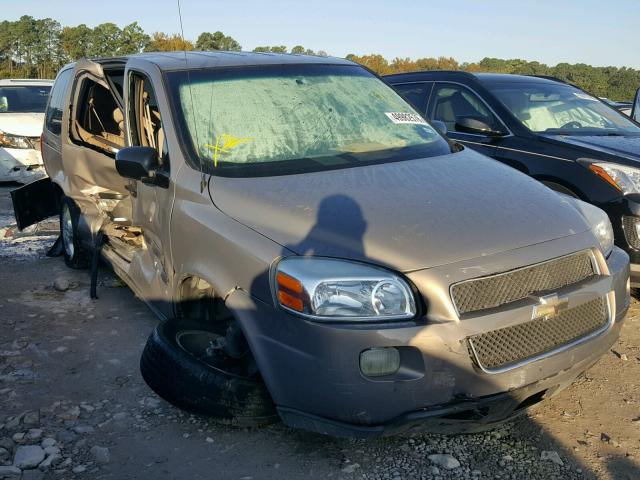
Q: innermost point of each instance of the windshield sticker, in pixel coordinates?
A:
(224, 144)
(584, 96)
(410, 118)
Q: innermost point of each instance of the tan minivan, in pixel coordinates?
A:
(317, 250)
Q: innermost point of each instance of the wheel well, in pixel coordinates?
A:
(197, 300)
(557, 187)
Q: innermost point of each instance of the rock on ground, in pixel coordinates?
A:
(551, 456)
(28, 456)
(100, 454)
(61, 284)
(10, 472)
(444, 460)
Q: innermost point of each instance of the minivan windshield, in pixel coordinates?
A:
(24, 99)
(561, 109)
(295, 118)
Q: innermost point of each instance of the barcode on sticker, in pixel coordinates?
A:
(399, 117)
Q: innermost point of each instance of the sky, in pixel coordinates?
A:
(588, 31)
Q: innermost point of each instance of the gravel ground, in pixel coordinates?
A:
(73, 403)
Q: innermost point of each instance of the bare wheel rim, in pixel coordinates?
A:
(196, 342)
(67, 231)
(204, 346)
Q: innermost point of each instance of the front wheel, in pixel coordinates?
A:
(184, 364)
(76, 256)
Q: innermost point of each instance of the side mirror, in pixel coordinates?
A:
(441, 127)
(137, 163)
(635, 112)
(4, 104)
(473, 125)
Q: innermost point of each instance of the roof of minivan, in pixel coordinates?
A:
(194, 60)
(21, 82)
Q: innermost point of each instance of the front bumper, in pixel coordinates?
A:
(626, 207)
(312, 370)
(20, 165)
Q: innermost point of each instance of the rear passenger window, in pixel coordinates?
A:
(415, 93)
(98, 120)
(53, 119)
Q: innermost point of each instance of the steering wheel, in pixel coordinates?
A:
(572, 124)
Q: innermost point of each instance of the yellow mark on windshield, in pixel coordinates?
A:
(224, 143)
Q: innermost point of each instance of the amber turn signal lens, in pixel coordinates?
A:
(290, 292)
(599, 171)
(290, 301)
(289, 283)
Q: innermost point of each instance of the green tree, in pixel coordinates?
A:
(132, 39)
(76, 41)
(161, 42)
(276, 49)
(48, 56)
(105, 40)
(217, 41)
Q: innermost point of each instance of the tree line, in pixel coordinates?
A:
(611, 82)
(37, 48)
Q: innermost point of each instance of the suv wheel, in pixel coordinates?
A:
(185, 362)
(75, 254)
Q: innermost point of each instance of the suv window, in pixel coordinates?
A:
(415, 93)
(450, 102)
(145, 121)
(98, 118)
(53, 118)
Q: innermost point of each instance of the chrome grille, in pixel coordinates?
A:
(495, 290)
(501, 348)
(630, 232)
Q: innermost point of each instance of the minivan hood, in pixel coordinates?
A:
(407, 215)
(627, 147)
(22, 124)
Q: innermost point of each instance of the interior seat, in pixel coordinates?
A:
(118, 117)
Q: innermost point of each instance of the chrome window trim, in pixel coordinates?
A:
(536, 154)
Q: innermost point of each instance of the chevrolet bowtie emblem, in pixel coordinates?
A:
(550, 306)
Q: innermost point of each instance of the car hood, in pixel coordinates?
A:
(626, 147)
(408, 215)
(22, 124)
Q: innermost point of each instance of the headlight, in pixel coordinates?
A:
(599, 222)
(625, 179)
(327, 289)
(14, 141)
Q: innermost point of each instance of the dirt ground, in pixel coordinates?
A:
(70, 389)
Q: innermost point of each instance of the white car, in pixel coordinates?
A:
(22, 106)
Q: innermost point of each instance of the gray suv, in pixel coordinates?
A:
(317, 251)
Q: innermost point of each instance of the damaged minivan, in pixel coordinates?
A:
(316, 250)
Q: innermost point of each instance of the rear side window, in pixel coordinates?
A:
(53, 119)
(415, 93)
(98, 120)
